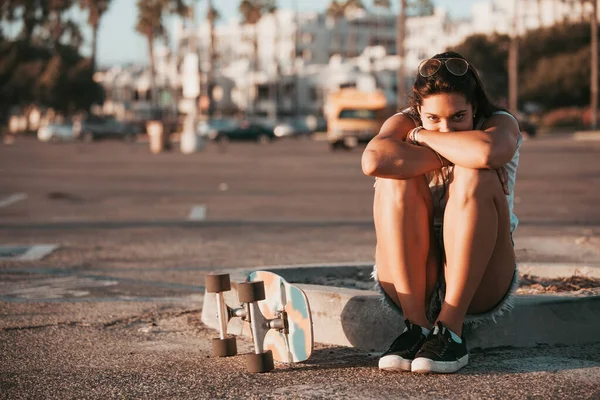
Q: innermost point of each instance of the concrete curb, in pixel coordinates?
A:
(357, 318)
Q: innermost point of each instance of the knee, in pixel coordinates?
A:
(473, 183)
(398, 191)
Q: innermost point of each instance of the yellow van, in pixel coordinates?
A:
(354, 116)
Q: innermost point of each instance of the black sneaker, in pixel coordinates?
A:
(440, 353)
(402, 351)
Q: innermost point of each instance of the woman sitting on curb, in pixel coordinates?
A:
(445, 171)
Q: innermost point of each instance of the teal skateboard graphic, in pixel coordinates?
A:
(277, 314)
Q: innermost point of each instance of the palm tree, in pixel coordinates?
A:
(336, 11)
(418, 7)
(274, 88)
(96, 9)
(594, 67)
(354, 6)
(513, 61)
(212, 16)
(252, 11)
(400, 37)
(150, 24)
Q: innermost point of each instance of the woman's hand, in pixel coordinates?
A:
(503, 175)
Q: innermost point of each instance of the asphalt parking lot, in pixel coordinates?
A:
(114, 310)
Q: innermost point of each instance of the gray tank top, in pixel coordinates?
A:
(511, 169)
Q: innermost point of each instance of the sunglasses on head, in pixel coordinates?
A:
(456, 66)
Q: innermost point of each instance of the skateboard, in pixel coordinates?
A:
(277, 314)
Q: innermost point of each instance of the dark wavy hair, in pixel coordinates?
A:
(469, 85)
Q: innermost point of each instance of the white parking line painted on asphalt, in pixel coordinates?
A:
(26, 253)
(13, 198)
(198, 213)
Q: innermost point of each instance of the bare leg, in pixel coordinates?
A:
(407, 269)
(480, 259)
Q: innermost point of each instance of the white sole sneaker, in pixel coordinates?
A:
(394, 363)
(425, 365)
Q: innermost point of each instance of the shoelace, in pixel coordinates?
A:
(404, 337)
(436, 344)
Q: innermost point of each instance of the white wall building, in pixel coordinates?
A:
(303, 45)
(305, 55)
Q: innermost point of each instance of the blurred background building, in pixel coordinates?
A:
(277, 63)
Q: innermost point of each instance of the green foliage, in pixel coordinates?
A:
(554, 65)
(488, 55)
(252, 10)
(59, 78)
(150, 16)
(558, 80)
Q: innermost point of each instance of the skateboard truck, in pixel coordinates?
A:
(222, 346)
(274, 323)
(249, 293)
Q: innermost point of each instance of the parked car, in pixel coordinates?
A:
(56, 132)
(94, 128)
(296, 127)
(210, 129)
(242, 130)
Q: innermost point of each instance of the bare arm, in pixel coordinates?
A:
(388, 155)
(491, 147)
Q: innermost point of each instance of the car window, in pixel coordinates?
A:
(222, 123)
(358, 114)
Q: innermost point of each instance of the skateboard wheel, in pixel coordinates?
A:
(217, 283)
(262, 362)
(224, 347)
(249, 292)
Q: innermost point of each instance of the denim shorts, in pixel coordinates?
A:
(437, 298)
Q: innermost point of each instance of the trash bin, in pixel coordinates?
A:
(156, 135)
(191, 142)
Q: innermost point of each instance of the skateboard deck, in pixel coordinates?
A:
(297, 344)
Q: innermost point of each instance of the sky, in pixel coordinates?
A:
(119, 43)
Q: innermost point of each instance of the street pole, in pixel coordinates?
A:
(194, 49)
(296, 74)
(277, 71)
(190, 142)
(210, 79)
(594, 77)
(513, 61)
(400, 38)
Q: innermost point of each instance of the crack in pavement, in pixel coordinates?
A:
(60, 272)
(147, 317)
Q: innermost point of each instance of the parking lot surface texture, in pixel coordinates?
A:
(114, 309)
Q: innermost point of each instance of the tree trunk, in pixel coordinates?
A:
(274, 95)
(153, 88)
(594, 77)
(94, 45)
(256, 65)
(400, 37)
(513, 61)
(211, 63)
(29, 22)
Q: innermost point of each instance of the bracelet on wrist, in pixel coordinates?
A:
(413, 135)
